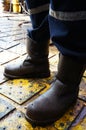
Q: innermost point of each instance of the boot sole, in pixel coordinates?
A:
(47, 122)
(35, 123)
(33, 75)
(42, 123)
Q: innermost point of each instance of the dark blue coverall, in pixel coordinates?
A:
(64, 21)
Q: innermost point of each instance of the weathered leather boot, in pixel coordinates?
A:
(62, 94)
(36, 64)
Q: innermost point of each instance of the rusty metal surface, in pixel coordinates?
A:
(5, 107)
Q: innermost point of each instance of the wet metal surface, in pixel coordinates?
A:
(16, 94)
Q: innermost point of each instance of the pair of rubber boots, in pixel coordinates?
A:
(64, 90)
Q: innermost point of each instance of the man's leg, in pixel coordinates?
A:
(36, 64)
(67, 23)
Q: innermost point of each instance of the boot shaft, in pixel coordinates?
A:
(70, 71)
(37, 49)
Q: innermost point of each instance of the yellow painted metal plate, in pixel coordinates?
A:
(80, 122)
(20, 90)
(17, 121)
(82, 92)
(49, 79)
(65, 122)
(5, 107)
(81, 126)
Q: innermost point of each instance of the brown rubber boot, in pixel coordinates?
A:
(63, 93)
(36, 65)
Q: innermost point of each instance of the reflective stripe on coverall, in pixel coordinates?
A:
(62, 21)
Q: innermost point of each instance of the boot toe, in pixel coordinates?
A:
(12, 71)
(30, 113)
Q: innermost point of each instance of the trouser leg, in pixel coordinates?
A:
(38, 10)
(68, 32)
(67, 27)
(36, 65)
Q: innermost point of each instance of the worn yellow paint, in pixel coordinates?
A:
(80, 126)
(20, 90)
(45, 128)
(15, 122)
(48, 82)
(64, 122)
